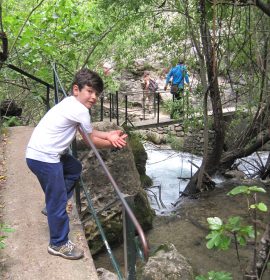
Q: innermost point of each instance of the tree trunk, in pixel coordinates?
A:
(197, 181)
(211, 161)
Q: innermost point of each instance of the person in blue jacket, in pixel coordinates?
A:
(179, 76)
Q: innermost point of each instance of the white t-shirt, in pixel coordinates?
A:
(57, 129)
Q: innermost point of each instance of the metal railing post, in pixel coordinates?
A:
(155, 105)
(129, 242)
(117, 109)
(48, 98)
(77, 184)
(56, 99)
(126, 109)
(143, 104)
(101, 108)
(158, 102)
(113, 106)
(110, 107)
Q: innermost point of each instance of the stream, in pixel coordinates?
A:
(171, 170)
(168, 169)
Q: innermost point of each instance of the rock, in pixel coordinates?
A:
(155, 137)
(104, 274)
(140, 157)
(166, 264)
(234, 174)
(122, 167)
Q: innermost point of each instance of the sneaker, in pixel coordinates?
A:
(68, 251)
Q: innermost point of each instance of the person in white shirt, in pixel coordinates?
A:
(48, 158)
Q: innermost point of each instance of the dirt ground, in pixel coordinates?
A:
(25, 256)
(187, 229)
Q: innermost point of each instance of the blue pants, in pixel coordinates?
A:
(57, 181)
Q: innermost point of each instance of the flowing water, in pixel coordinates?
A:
(171, 170)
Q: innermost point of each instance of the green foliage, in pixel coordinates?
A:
(4, 229)
(175, 142)
(11, 121)
(221, 234)
(111, 83)
(260, 206)
(213, 275)
(246, 190)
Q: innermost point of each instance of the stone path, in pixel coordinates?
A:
(25, 256)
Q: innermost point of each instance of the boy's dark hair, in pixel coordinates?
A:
(87, 77)
(181, 61)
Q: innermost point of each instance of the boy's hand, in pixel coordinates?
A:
(117, 138)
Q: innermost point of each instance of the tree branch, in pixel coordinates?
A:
(22, 27)
(263, 6)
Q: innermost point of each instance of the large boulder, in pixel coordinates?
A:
(166, 264)
(121, 165)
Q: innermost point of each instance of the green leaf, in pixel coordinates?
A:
(8, 229)
(247, 231)
(2, 245)
(215, 275)
(215, 223)
(257, 189)
(262, 207)
(238, 190)
(215, 238)
(225, 242)
(233, 223)
(242, 240)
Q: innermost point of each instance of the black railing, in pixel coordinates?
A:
(24, 73)
(123, 110)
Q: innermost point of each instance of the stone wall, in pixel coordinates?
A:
(192, 140)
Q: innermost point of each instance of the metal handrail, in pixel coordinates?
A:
(94, 214)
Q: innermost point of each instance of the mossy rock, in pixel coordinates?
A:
(140, 157)
(143, 211)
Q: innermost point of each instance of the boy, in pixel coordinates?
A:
(56, 170)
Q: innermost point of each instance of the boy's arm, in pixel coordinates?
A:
(110, 139)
